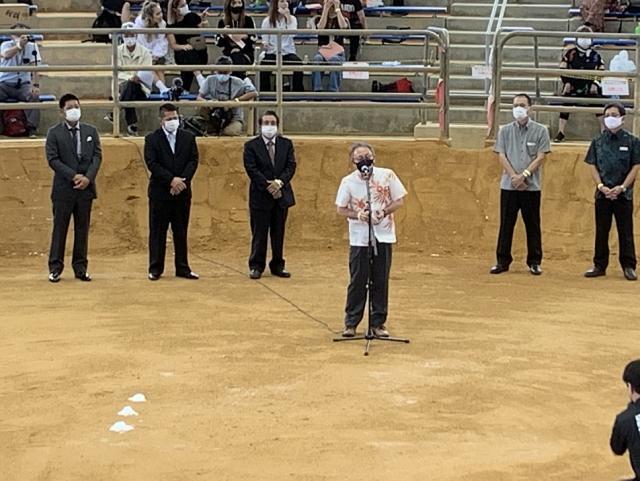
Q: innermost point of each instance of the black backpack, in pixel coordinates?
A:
(105, 19)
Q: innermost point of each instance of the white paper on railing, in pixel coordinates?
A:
(481, 71)
(615, 86)
(347, 74)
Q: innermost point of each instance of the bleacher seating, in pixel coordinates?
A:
(42, 98)
(604, 42)
(630, 14)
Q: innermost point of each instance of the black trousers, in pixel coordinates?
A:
(265, 224)
(354, 43)
(188, 57)
(357, 290)
(80, 209)
(174, 212)
(622, 210)
(240, 58)
(265, 77)
(131, 91)
(528, 203)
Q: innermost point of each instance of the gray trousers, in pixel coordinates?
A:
(23, 94)
(63, 210)
(357, 290)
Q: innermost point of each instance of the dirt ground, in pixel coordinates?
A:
(506, 378)
(509, 377)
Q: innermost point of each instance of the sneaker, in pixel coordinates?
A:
(109, 117)
(559, 138)
(349, 332)
(132, 130)
(380, 331)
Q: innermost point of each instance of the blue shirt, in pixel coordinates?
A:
(27, 56)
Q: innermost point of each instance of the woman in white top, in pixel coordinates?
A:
(158, 44)
(280, 18)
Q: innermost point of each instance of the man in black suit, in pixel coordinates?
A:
(74, 153)
(270, 161)
(171, 155)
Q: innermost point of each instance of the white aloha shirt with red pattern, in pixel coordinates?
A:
(385, 189)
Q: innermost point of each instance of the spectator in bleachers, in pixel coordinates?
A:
(330, 48)
(189, 49)
(133, 85)
(579, 57)
(222, 86)
(593, 11)
(354, 12)
(278, 17)
(239, 48)
(23, 86)
(116, 10)
(158, 44)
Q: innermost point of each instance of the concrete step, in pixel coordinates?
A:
(479, 24)
(517, 53)
(478, 38)
(68, 6)
(463, 67)
(557, 10)
(398, 122)
(465, 82)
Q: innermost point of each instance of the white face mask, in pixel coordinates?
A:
(184, 10)
(72, 115)
(612, 123)
(172, 125)
(584, 43)
(269, 131)
(129, 41)
(520, 113)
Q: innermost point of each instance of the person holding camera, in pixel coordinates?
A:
(222, 86)
(22, 86)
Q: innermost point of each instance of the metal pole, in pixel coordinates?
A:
(496, 81)
(279, 83)
(536, 64)
(115, 91)
(636, 91)
(444, 133)
(425, 78)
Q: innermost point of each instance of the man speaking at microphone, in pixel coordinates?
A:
(387, 196)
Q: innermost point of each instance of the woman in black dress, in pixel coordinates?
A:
(239, 48)
(192, 49)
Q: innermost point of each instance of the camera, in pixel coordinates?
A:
(177, 89)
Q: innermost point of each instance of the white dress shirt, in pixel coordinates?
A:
(288, 46)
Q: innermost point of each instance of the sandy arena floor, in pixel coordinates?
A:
(506, 378)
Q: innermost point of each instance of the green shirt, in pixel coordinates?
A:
(614, 155)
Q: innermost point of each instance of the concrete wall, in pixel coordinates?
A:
(452, 206)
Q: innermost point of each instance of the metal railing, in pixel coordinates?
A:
(499, 70)
(433, 36)
(493, 25)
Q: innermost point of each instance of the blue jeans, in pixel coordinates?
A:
(335, 78)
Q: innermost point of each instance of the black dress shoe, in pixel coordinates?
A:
(535, 269)
(153, 277)
(630, 274)
(281, 273)
(189, 275)
(498, 269)
(84, 277)
(54, 277)
(255, 274)
(595, 272)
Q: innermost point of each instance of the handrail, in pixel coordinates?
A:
(488, 39)
(502, 37)
(439, 37)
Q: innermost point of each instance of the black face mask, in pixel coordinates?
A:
(364, 163)
(237, 10)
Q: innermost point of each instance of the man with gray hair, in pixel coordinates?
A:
(387, 196)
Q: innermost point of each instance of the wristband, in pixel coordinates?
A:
(624, 189)
(600, 185)
(526, 173)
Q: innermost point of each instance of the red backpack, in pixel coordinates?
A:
(14, 122)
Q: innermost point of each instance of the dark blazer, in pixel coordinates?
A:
(164, 165)
(62, 158)
(258, 165)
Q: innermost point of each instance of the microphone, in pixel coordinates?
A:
(366, 169)
(177, 89)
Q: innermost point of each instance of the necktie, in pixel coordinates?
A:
(74, 138)
(272, 151)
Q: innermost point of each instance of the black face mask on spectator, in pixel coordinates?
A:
(236, 10)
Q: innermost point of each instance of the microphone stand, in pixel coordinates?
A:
(372, 249)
